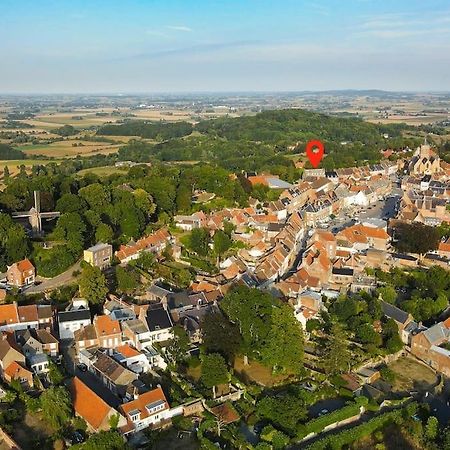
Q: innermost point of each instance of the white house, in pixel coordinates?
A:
(71, 321)
(147, 409)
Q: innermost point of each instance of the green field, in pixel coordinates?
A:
(103, 171)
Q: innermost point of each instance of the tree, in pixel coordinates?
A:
(284, 347)
(214, 370)
(388, 294)
(56, 406)
(104, 233)
(416, 238)
(183, 199)
(144, 202)
(127, 280)
(222, 242)
(92, 284)
(114, 421)
(55, 375)
(251, 310)
(336, 356)
(103, 440)
(199, 241)
(219, 335)
(432, 428)
(71, 228)
(97, 196)
(180, 343)
(146, 260)
(284, 411)
(70, 203)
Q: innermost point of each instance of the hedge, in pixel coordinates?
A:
(318, 424)
(337, 441)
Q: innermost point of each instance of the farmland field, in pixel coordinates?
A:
(69, 148)
(103, 171)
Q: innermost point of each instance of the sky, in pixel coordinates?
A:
(152, 46)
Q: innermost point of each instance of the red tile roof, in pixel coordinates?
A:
(25, 265)
(128, 351)
(87, 404)
(143, 400)
(9, 314)
(105, 326)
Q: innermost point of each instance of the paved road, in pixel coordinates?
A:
(54, 283)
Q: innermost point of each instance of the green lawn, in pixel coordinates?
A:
(102, 171)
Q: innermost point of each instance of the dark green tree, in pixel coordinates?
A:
(92, 284)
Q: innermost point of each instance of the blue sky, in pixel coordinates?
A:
(230, 45)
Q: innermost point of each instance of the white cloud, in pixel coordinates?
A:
(180, 28)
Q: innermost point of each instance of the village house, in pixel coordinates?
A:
(109, 333)
(150, 409)
(17, 371)
(111, 373)
(158, 323)
(154, 243)
(188, 223)
(9, 351)
(136, 331)
(132, 359)
(21, 273)
(77, 316)
(92, 408)
(85, 337)
(431, 346)
(405, 322)
(99, 255)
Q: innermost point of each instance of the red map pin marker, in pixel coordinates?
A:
(314, 152)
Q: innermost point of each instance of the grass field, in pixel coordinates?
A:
(67, 148)
(411, 375)
(258, 373)
(14, 164)
(102, 171)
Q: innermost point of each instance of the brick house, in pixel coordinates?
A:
(108, 331)
(17, 371)
(21, 273)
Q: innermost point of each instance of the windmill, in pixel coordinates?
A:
(35, 215)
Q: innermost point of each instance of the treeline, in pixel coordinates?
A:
(263, 141)
(148, 130)
(112, 209)
(296, 125)
(7, 152)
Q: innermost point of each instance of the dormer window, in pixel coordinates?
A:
(134, 415)
(154, 407)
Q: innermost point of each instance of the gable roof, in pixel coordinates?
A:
(128, 351)
(147, 399)
(71, 316)
(87, 404)
(105, 326)
(28, 313)
(395, 313)
(158, 319)
(17, 370)
(24, 265)
(9, 314)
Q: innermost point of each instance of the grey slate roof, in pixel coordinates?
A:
(437, 334)
(393, 312)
